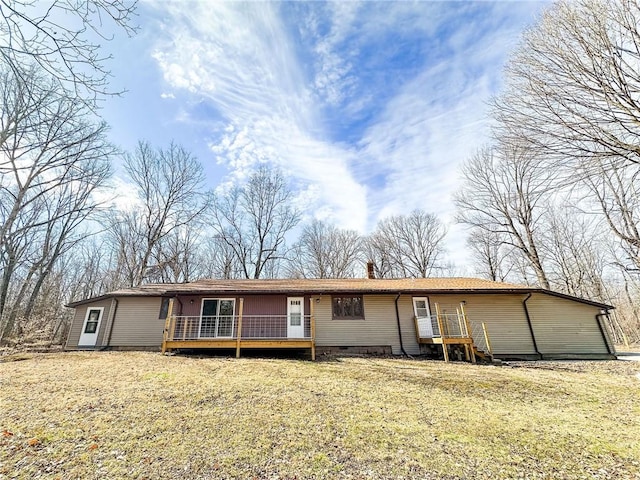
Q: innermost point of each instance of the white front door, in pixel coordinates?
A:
(295, 317)
(423, 316)
(91, 327)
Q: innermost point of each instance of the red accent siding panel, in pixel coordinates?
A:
(265, 305)
(192, 304)
(256, 305)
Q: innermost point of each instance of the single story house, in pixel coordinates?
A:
(364, 315)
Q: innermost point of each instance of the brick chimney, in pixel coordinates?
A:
(370, 272)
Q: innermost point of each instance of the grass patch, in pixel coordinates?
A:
(144, 415)
(15, 357)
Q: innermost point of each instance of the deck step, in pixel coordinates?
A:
(482, 354)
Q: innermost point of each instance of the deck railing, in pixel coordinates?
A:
(227, 327)
(480, 336)
(455, 328)
(450, 325)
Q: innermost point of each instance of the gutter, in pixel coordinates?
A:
(399, 329)
(604, 336)
(533, 336)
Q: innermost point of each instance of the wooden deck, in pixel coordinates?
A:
(264, 331)
(453, 329)
(447, 340)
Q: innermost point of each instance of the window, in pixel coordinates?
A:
(348, 308)
(164, 309)
(421, 307)
(92, 321)
(295, 312)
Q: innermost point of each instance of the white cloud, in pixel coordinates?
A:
(125, 198)
(434, 123)
(420, 120)
(240, 58)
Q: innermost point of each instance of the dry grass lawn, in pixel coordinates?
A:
(144, 415)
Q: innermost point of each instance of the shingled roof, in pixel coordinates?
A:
(318, 286)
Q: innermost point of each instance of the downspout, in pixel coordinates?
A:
(113, 319)
(399, 329)
(533, 336)
(604, 336)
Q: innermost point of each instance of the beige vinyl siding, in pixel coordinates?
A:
(408, 324)
(564, 326)
(78, 322)
(379, 327)
(136, 323)
(503, 315)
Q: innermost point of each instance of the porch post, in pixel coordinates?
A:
(486, 338)
(442, 334)
(167, 324)
(312, 319)
(469, 333)
(464, 332)
(239, 332)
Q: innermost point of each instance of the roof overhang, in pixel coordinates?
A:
(334, 291)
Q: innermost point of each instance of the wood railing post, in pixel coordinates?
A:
(167, 325)
(442, 333)
(461, 327)
(184, 328)
(312, 327)
(466, 324)
(486, 338)
(172, 328)
(239, 332)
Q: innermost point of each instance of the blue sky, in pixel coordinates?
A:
(370, 108)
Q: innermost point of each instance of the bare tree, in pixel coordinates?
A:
(575, 253)
(170, 188)
(571, 87)
(492, 255)
(571, 97)
(253, 220)
(59, 37)
(90, 269)
(407, 245)
(217, 259)
(177, 255)
(503, 194)
(53, 157)
(629, 326)
(325, 251)
(616, 191)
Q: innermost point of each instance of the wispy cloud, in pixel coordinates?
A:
(240, 59)
(370, 107)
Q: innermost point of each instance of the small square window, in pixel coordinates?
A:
(91, 327)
